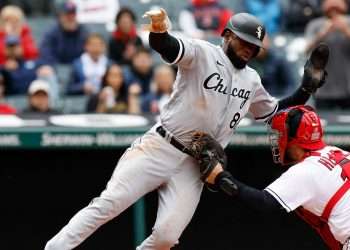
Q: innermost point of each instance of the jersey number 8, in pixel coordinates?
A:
(235, 120)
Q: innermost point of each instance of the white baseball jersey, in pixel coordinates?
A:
(311, 184)
(211, 95)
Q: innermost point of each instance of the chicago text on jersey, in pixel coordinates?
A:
(215, 83)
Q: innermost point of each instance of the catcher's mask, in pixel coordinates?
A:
(298, 125)
(248, 28)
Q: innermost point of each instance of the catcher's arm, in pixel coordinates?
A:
(159, 38)
(260, 200)
(212, 162)
(314, 77)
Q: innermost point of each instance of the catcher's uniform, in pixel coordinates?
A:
(209, 95)
(318, 178)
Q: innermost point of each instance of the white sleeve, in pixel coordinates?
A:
(263, 105)
(294, 188)
(187, 54)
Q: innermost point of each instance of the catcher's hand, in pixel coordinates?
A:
(160, 22)
(212, 162)
(314, 69)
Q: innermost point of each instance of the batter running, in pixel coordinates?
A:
(213, 91)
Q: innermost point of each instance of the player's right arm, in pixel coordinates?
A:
(166, 45)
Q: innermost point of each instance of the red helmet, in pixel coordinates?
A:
(298, 125)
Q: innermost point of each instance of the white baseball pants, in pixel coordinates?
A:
(150, 163)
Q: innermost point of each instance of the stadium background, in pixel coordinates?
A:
(43, 187)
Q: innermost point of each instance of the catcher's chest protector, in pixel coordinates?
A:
(320, 223)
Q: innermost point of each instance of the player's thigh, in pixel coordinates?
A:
(179, 197)
(146, 165)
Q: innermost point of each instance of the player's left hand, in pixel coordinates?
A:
(160, 22)
(212, 162)
(315, 73)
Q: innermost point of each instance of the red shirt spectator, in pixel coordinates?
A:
(125, 41)
(204, 17)
(11, 23)
(28, 46)
(6, 109)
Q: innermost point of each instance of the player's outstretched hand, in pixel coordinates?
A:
(160, 22)
(314, 70)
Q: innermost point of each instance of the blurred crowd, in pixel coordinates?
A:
(116, 72)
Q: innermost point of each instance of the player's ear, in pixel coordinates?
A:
(226, 36)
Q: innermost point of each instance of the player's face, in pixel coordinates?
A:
(243, 49)
(238, 50)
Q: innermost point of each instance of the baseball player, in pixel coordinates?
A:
(213, 91)
(321, 173)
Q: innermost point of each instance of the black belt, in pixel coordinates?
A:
(172, 140)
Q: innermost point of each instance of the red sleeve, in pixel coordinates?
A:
(30, 51)
(2, 48)
(224, 18)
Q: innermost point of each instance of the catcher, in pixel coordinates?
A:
(322, 173)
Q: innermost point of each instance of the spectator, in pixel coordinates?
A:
(39, 98)
(4, 107)
(140, 71)
(20, 72)
(204, 18)
(334, 29)
(268, 11)
(276, 73)
(124, 41)
(299, 12)
(164, 77)
(97, 11)
(12, 24)
(64, 42)
(114, 96)
(89, 68)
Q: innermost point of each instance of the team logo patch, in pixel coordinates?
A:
(259, 32)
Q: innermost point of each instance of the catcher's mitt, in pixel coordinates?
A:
(160, 22)
(314, 69)
(212, 162)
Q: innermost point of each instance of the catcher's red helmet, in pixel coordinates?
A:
(298, 125)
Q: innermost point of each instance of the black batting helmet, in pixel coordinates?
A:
(247, 27)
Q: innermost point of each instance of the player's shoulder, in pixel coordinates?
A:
(302, 169)
(252, 74)
(313, 161)
(252, 71)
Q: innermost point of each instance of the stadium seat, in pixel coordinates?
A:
(63, 72)
(20, 102)
(39, 26)
(74, 104)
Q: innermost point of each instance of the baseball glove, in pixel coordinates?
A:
(314, 69)
(212, 162)
(160, 22)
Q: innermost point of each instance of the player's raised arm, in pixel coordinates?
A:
(314, 77)
(159, 38)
